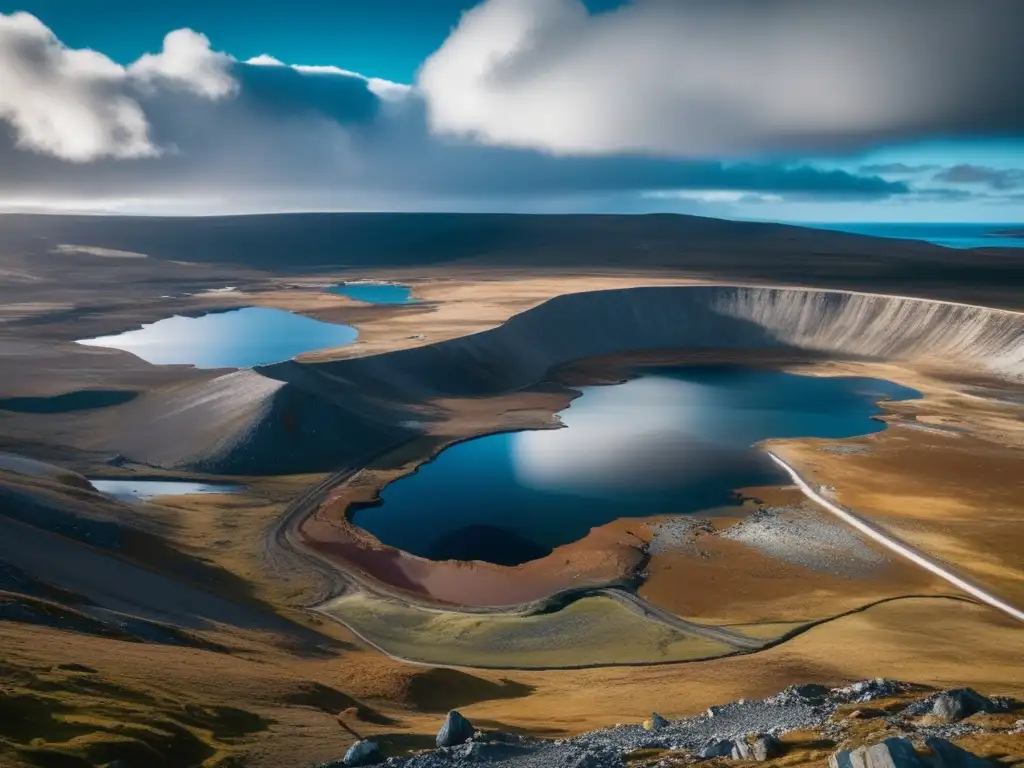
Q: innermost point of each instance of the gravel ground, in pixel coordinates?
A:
(803, 535)
(846, 450)
(677, 535)
(795, 708)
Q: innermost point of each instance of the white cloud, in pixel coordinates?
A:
(193, 130)
(79, 105)
(188, 62)
(704, 77)
(64, 102)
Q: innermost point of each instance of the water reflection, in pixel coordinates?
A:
(235, 339)
(670, 442)
(376, 293)
(127, 490)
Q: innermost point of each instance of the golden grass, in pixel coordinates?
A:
(71, 715)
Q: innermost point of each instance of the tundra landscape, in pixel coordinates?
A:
(512, 383)
(285, 632)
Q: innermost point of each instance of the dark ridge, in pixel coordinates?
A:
(730, 250)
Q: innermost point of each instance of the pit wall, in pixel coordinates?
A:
(308, 417)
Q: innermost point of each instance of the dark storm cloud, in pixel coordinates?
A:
(721, 77)
(995, 178)
(265, 135)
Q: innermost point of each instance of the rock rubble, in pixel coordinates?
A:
(748, 730)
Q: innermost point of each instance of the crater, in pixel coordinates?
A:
(670, 441)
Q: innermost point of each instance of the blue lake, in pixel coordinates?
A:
(948, 235)
(673, 441)
(376, 293)
(238, 338)
(128, 490)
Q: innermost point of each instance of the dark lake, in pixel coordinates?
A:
(673, 441)
(238, 338)
(376, 293)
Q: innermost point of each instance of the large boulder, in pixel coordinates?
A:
(363, 753)
(948, 755)
(761, 747)
(953, 706)
(891, 753)
(456, 730)
(655, 723)
(719, 748)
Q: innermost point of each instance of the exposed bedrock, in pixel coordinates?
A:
(292, 417)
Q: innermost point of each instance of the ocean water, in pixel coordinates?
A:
(376, 293)
(673, 441)
(948, 235)
(238, 338)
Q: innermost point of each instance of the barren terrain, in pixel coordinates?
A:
(182, 627)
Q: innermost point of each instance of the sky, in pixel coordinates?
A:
(844, 110)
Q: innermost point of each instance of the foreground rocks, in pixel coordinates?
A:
(922, 727)
(891, 753)
(761, 747)
(456, 730)
(955, 705)
(363, 753)
(900, 753)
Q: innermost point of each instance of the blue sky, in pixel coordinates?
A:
(867, 111)
(381, 38)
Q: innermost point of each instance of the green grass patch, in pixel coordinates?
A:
(591, 631)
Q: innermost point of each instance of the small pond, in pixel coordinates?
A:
(237, 338)
(376, 293)
(672, 441)
(127, 490)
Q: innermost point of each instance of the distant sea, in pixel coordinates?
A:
(949, 235)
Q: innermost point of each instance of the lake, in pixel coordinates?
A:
(376, 293)
(237, 338)
(673, 441)
(128, 490)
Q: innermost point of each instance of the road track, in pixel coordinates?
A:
(903, 549)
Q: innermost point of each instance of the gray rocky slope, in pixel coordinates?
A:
(740, 730)
(294, 417)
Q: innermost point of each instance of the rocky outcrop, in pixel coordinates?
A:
(655, 722)
(363, 753)
(891, 753)
(953, 706)
(744, 730)
(900, 753)
(760, 747)
(948, 755)
(717, 748)
(456, 730)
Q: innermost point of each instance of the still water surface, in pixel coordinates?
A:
(672, 441)
(948, 235)
(238, 338)
(147, 489)
(376, 293)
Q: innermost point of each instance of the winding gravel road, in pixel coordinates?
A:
(283, 543)
(901, 548)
